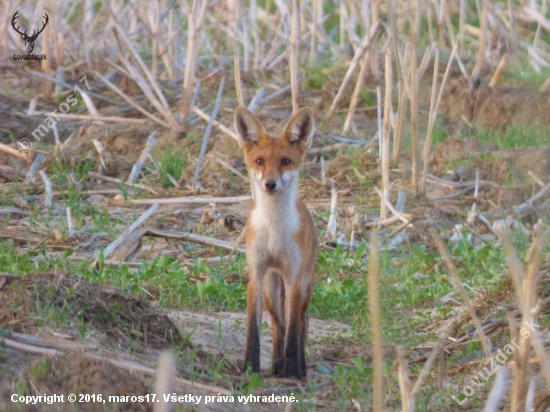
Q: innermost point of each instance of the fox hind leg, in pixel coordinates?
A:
(274, 297)
(293, 337)
(254, 307)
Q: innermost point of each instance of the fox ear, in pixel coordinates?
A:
(300, 128)
(248, 126)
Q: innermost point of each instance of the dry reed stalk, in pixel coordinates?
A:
(441, 371)
(413, 98)
(13, 152)
(71, 87)
(101, 177)
(539, 25)
(168, 55)
(164, 376)
(124, 235)
(407, 403)
(294, 55)
(70, 224)
(157, 98)
(257, 99)
(450, 29)
(332, 225)
(47, 188)
(154, 22)
(513, 29)
(541, 352)
(401, 105)
(531, 394)
(379, 119)
(231, 168)
(343, 23)
(482, 43)
(375, 21)
(545, 86)
(237, 69)
(90, 105)
(444, 18)
(413, 95)
(374, 312)
(46, 87)
(284, 54)
(525, 287)
(217, 124)
(385, 147)
(461, 25)
(516, 270)
(193, 238)
(207, 132)
(136, 167)
(60, 50)
(351, 69)
(404, 217)
(485, 342)
(4, 33)
(194, 29)
(426, 59)
(312, 47)
(356, 93)
(255, 34)
(33, 170)
(246, 46)
(420, 380)
(499, 388)
(430, 23)
(334, 47)
(190, 200)
(498, 71)
(57, 142)
(276, 43)
(115, 119)
(130, 101)
(432, 114)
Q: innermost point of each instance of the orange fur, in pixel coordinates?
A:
(281, 241)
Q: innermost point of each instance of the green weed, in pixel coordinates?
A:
(172, 162)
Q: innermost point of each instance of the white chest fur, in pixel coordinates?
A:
(275, 220)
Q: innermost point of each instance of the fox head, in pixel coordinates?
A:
(274, 162)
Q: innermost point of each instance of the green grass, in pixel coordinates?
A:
(521, 72)
(315, 79)
(412, 280)
(516, 136)
(172, 162)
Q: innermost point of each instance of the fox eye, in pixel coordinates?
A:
(285, 162)
(260, 162)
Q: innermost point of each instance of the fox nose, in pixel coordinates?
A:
(270, 185)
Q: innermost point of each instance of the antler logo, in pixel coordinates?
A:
(29, 40)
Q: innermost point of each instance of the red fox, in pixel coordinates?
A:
(281, 241)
